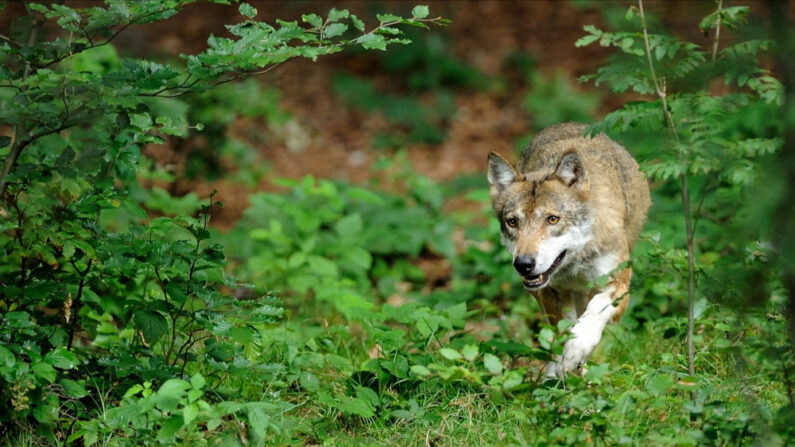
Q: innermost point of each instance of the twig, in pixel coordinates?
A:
(10, 40)
(717, 32)
(19, 144)
(683, 158)
(77, 302)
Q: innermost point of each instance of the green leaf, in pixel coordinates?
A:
(135, 389)
(358, 407)
(357, 23)
(349, 226)
(313, 19)
(596, 372)
(141, 120)
(4, 141)
(247, 10)
(384, 18)
(334, 30)
(420, 370)
(545, 338)
(450, 354)
(420, 12)
(170, 427)
(189, 413)
(512, 379)
(151, 324)
(309, 381)
(373, 42)
(492, 363)
(7, 359)
(337, 14)
(660, 383)
(197, 381)
(44, 371)
(73, 389)
(258, 419)
(469, 352)
(61, 358)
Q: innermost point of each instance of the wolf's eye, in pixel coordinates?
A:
(552, 219)
(512, 222)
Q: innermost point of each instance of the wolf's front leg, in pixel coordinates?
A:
(587, 332)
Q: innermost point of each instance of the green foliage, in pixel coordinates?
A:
(117, 328)
(707, 136)
(333, 239)
(105, 312)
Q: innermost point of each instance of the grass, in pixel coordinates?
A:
(643, 399)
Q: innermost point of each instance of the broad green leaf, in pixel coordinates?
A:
(420, 370)
(197, 381)
(513, 379)
(152, 325)
(660, 383)
(134, 390)
(247, 10)
(384, 18)
(450, 354)
(357, 23)
(170, 427)
(44, 371)
(141, 120)
(309, 381)
(373, 42)
(334, 30)
(470, 352)
(420, 12)
(313, 19)
(584, 41)
(492, 363)
(349, 226)
(337, 14)
(358, 407)
(7, 359)
(189, 413)
(597, 372)
(73, 389)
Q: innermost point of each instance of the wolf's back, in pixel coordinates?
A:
(605, 162)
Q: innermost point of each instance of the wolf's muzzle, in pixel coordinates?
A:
(538, 281)
(524, 264)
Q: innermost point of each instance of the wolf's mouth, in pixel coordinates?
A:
(540, 280)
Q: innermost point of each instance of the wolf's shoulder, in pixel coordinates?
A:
(547, 147)
(554, 133)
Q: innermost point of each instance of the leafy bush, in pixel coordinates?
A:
(100, 304)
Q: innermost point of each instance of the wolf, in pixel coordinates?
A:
(570, 212)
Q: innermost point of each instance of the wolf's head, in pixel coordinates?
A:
(544, 216)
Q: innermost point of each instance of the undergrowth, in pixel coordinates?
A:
(342, 314)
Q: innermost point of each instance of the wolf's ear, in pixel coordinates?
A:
(501, 171)
(571, 171)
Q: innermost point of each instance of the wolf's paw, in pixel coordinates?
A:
(586, 335)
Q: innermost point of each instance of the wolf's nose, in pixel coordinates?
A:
(524, 264)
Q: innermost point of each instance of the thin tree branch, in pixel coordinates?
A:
(683, 158)
(20, 144)
(717, 32)
(78, 302)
